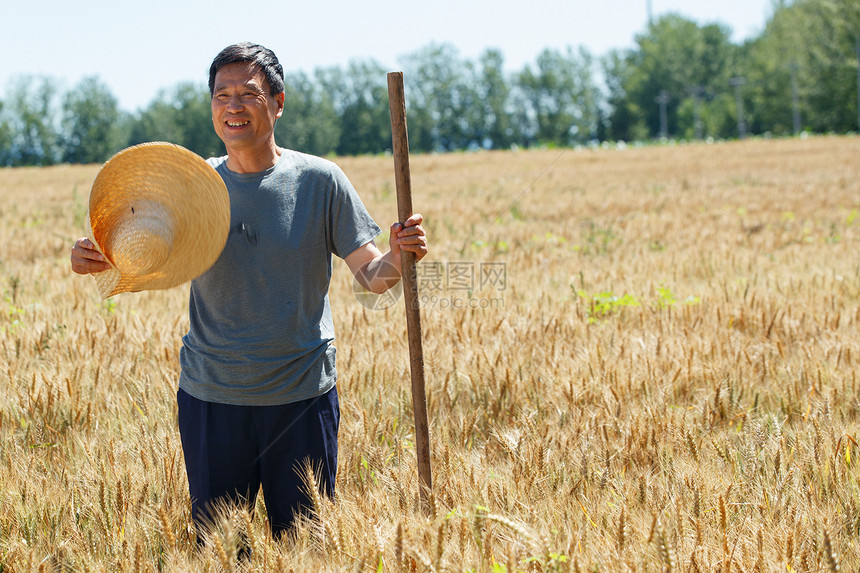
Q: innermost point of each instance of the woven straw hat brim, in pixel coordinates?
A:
(161, 216)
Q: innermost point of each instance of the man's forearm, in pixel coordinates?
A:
(380, 274)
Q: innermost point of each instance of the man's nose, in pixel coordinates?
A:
(234, 103)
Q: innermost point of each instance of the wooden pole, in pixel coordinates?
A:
(403, 179)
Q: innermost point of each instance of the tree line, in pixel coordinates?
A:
(679, 80)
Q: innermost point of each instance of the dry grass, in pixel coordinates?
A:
(667, 382)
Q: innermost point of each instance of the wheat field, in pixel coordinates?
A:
(638, 359)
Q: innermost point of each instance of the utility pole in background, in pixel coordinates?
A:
(663, 99)
(737, 82)
(795, 104)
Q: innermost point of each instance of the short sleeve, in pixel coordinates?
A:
(349, 225)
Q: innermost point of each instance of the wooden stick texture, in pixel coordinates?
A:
(403, 179)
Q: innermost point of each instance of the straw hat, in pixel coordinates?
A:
(160, 215)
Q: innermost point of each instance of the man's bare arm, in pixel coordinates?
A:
(379, 272)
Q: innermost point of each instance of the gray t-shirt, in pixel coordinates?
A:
(261, 325)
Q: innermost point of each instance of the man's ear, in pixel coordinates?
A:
(279, 99)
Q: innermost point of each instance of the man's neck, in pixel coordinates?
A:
(240, 161)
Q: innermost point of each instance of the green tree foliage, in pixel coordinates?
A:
(716, 115)
(561, 98)
(830, 72)
(29, 120)
(443, 103)
(495, 128)
(773, 63)
(805, 64)
(683, 61)
(91, 124)
(622, 121)
(5, 138)
(181, 115)
(802, 66)
(359, 99)
(309, 123)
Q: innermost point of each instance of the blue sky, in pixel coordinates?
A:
(141, 47)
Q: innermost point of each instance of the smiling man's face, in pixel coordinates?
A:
(243, 110)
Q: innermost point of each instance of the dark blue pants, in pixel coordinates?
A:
(230, 451)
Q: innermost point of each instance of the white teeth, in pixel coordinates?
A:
(237, 123)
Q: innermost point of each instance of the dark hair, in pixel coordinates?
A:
(256, 54)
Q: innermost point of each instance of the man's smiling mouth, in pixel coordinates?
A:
(237, 123)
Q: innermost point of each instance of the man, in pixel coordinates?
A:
(257, 393)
